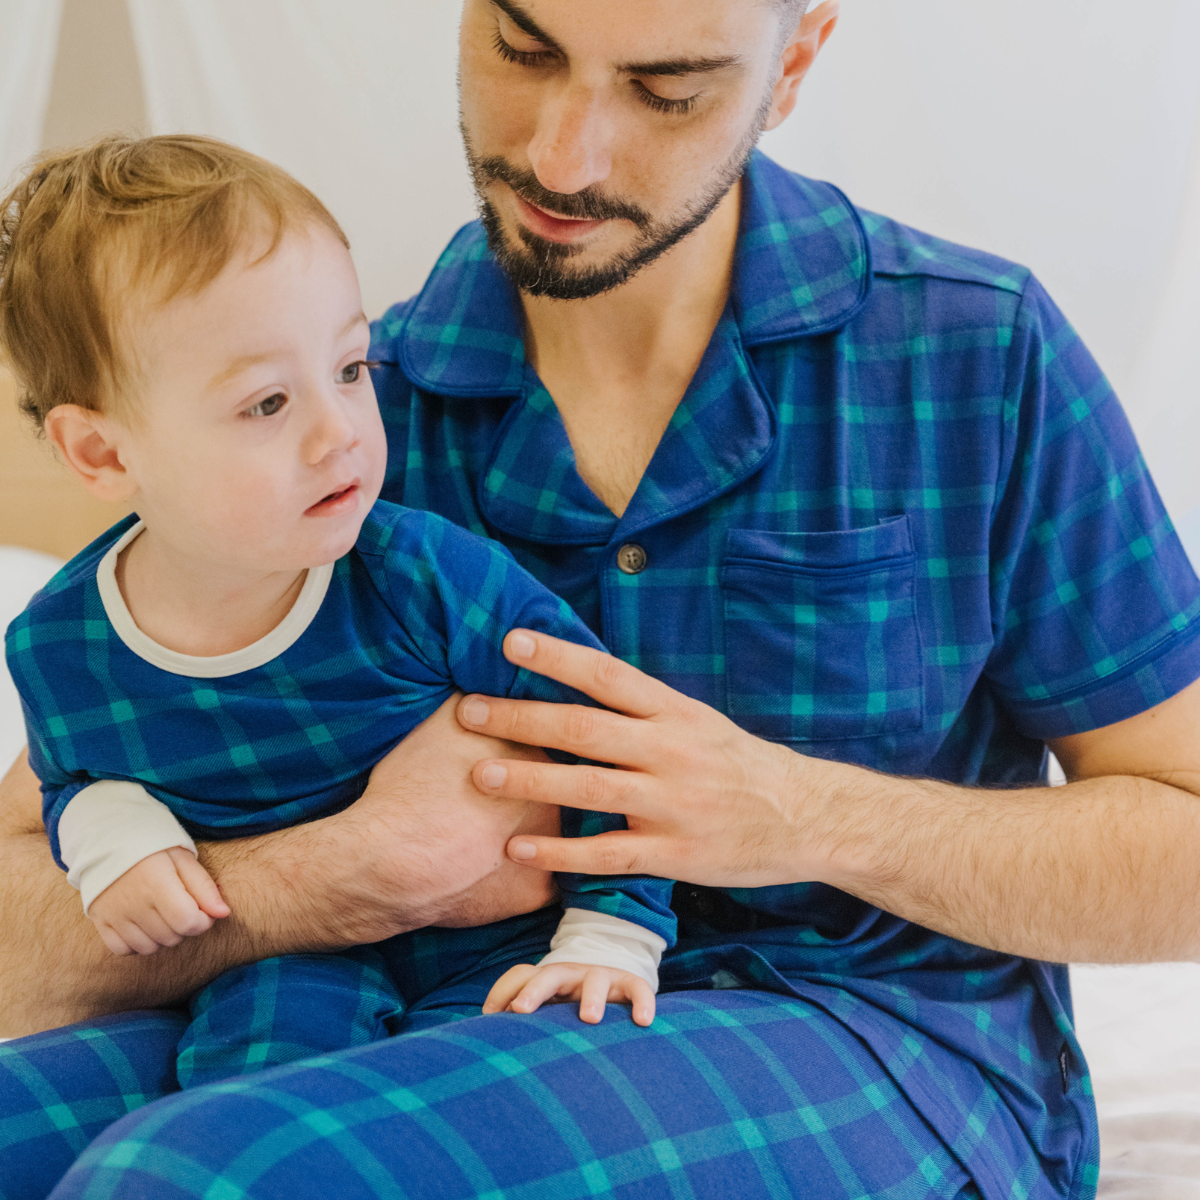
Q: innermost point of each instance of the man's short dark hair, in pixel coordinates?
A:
(790, 12)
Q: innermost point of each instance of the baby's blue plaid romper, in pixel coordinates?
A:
(416, 610)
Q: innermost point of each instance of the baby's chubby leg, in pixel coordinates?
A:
(281, 1010)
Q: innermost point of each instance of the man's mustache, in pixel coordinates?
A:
(588, 204)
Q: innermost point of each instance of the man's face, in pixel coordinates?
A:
(601, 132)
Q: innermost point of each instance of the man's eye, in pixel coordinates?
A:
(268, 407)
(526, 58)
(665, 104)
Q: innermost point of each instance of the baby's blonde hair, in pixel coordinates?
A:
(88, 225)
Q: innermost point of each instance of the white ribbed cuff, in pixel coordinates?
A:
(109, 827)
(597, 940)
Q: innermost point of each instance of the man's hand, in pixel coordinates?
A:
(158, 902)
(525, 988)
(705, 801)
(1106, 869)
(422, 846)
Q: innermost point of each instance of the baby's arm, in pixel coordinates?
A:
(614, 932)
(135, 867)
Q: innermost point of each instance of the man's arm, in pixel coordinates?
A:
(1105, 869)
(420, 847)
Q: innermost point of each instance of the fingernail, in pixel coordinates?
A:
(521, 645)
(475, 712)
(493, 775)
(522, 850)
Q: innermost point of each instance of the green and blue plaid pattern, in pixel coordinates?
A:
(729, 1094)
(898, 519)
(418, 609)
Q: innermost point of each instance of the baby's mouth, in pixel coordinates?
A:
(335, 502)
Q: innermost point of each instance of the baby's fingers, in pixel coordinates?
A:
(134, 937)
(558, 979)
(506, 989)
(199, 883)
(595, 991)
(639, 994)
(114, 941)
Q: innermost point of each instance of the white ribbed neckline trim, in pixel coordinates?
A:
(216, 666)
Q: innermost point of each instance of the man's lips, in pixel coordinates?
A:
(344, 500)
(552, 227)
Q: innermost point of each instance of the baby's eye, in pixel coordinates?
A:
(268, 407)
(352, 373)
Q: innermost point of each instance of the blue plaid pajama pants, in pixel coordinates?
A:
(733, 1094)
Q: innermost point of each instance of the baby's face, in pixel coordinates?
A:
(256, 442)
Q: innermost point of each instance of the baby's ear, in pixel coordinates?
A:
(88, 443)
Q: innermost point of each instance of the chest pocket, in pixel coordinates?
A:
(821, 640)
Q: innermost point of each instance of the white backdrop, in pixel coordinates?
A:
(28, 37)
(1062, 133)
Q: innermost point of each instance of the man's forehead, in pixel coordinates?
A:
(634, 34)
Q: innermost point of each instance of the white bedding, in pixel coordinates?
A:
(1139, 1026)
(1140, 1030)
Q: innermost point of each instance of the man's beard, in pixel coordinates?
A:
(541, 267)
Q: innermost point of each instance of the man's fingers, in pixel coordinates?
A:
(596, 789)
(618, 853)
(605, 678)
(199, 883)
(588, 732)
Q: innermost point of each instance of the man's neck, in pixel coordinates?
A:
(618, 364)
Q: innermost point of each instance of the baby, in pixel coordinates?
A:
(185, 323)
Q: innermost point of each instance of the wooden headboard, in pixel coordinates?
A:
(42, 505)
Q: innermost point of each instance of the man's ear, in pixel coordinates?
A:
(798, 55)
(89, 443)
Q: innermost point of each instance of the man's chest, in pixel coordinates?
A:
(817, 570)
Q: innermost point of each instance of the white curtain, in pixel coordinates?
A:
(355, 97)
(28, 37)
(1062, 133)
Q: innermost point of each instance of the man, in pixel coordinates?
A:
(860, 491)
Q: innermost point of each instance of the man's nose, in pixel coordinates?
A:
(571, 149)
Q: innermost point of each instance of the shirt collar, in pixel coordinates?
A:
(802, 267)
(722, 432)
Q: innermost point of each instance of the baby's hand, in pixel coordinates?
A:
(158, 902)
(524, 989)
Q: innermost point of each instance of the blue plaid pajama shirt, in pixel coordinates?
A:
(418, 609)
(899, 520)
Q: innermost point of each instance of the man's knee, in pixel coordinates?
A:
(59, 1089)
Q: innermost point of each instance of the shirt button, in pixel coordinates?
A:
(631, 558)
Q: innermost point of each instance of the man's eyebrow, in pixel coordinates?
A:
(525, 23)
(682, 66)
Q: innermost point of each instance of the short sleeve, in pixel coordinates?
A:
(1095, 605)
(464, 593)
